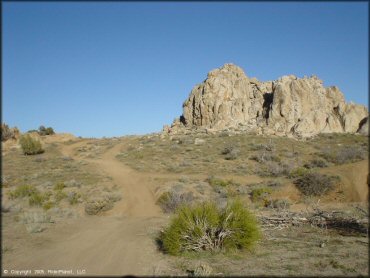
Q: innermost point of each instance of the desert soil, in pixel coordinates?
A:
(121, 242)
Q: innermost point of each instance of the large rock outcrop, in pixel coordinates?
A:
(301, 107)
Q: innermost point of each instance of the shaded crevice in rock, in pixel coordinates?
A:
(193, 110)
(183, 120)
(339, 117)
(364, 126)
(362, 122)
(267, 105)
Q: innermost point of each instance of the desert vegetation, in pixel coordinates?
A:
(240, 154)
(46, 130)
(8, 133)
(315, 184)
(42, 131)
(30, 146)
(207, 228)
(228, 204)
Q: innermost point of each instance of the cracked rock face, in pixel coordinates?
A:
(301, 107)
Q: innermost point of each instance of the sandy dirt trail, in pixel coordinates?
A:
(118, 243)
(354, 179)
(138, 200)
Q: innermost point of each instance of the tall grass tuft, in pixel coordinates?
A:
(205, 227)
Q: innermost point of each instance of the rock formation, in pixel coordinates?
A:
(301, 107)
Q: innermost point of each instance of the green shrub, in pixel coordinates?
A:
(205, 227)
(30, 146)
(22, 191)
(315, 184)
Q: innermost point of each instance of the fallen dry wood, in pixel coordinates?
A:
(328, 220)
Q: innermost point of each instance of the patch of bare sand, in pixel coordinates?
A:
(353, 180)
(99, 245)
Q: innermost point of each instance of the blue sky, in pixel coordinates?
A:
(109, 69)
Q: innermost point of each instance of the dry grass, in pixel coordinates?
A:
(186, 166)
(296, 251)
(238, 154)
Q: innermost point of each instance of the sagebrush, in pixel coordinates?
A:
(170, 201)
(30, 146)
(315, 184)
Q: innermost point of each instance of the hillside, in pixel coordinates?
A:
(97, 204)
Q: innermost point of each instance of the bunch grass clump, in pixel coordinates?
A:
(22, 191)
(205, 227)
(214, 181)
(38, 198)
(35, 196)
(30, 146)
